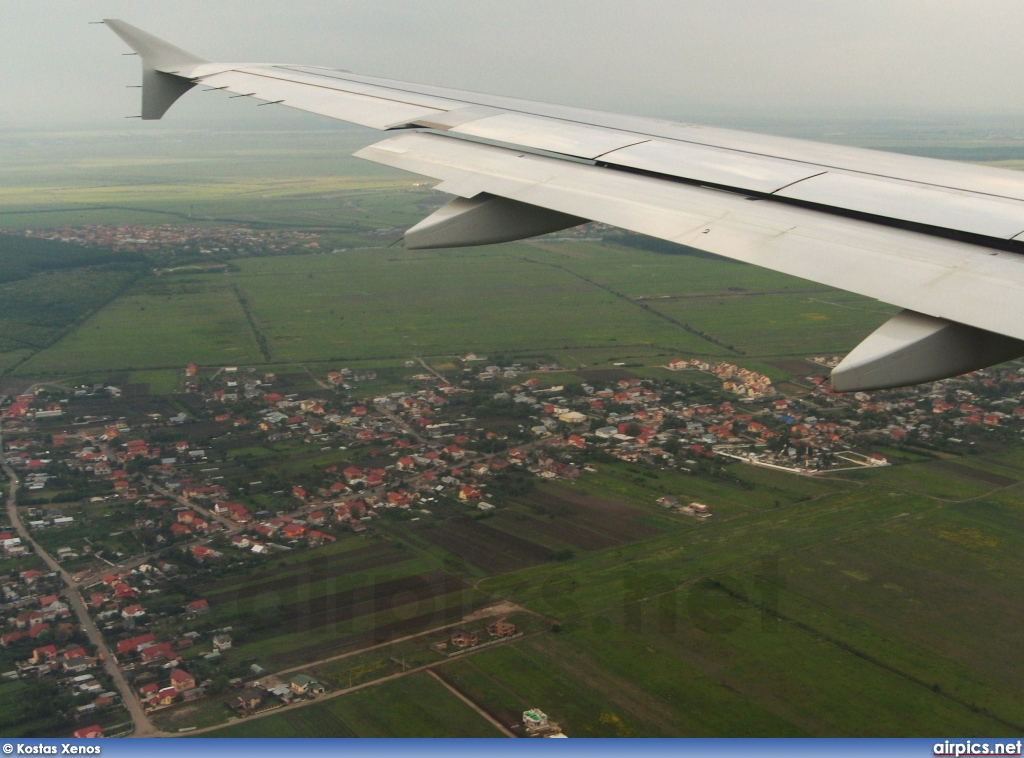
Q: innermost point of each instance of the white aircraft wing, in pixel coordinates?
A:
(943, 240)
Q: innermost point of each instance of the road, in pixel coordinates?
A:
(503, 608)
(230, 526)
(141, 724)
(432, 371)
(395, 419)
(484, 714)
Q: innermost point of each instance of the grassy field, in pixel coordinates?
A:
(883, 589)
(587, 686)
(942, 480)
(159, 381)
(54, 178)
(11, 358)
(581, 303)
(38, 309)
(366, 305)
(535, 300)
(395, 303)
(640, 273)
(9, 711)
(165, 322)
(801, 323)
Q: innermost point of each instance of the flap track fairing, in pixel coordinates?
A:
(485, 220)
(912, 348)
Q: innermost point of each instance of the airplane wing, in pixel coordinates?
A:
(942, 240)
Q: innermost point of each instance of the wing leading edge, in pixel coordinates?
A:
(945, 241)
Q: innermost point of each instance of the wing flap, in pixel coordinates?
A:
(933, 206)
(712, 165)
(938, 277)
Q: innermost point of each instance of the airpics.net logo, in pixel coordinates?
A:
(967, 747)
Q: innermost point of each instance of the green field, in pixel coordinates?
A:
(791, 324)
(885, 590)
(167, 322)
(804, 607)
(378, 304)
(366, 305)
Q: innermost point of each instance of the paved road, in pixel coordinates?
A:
(141, 722)
(142, 726)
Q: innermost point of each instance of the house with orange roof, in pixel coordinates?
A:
(182, 680)
(293, 531)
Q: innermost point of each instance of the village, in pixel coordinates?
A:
(127, 501)
(230, 239)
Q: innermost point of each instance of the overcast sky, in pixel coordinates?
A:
(669, 58)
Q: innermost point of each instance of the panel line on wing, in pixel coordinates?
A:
(653, 129)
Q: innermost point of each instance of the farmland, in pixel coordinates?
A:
(373, 304)
(416, 706)
(886, 594)
(726, 627)
(348, 596)
(207, 322)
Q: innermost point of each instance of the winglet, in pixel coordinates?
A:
(165, 68)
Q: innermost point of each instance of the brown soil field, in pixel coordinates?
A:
(604, 517)
(982, 476)
(371, 556)
(442, 616)
(564, 531)
(490, 549)
(376, 598)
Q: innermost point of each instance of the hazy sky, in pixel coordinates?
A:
(670, 58)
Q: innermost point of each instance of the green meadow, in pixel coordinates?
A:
(515, 300)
